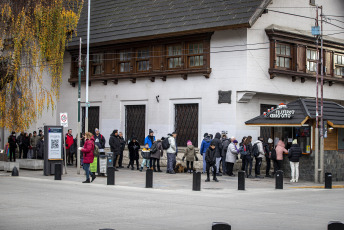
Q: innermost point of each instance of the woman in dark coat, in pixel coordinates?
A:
(156, 156)
(134, 148)
(26, 144)
(40, 148)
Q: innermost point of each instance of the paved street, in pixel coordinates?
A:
(33, 201)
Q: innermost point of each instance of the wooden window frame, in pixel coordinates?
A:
(336, 65)
(126, 60)
(94, 65)
(200, 54)
(284, 56)
(168, 56)
(315, 61)
(146, 59)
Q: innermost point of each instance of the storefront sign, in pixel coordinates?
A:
(282, 112)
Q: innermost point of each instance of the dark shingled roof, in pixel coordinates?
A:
(333, 113)
(118, 20)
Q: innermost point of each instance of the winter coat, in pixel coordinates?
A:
(40, 149)
(122, 142)
(225, 144)
(34, 140)
(210, 156)
(74, 148)
(173, 146)
(115, 144)
(26, 142)
(249, 153)
(280, 150)
(190, 153)
(134, 148)
(12, 141)
(160, 151)
(99, 141)
(260, 148)
(69, 141)
(205, 145)
(20, 139)
(218, 145)
(149, 141)
(145, 153)
(232, 153)
(87, 151)
(295, 153)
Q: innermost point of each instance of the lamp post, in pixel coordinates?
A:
(87, 65)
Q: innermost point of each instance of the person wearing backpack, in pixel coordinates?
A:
(280, 149)
(171, 153)
(231, 157)
(204, 146)
(258, 152)
(156, 152)
(134, 148)
(99, 141)
(295, 152)
(88, 156)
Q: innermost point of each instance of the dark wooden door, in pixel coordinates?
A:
(135, 120)
(266, 132)
(93, 119)
(186, 123)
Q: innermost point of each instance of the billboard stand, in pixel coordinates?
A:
(53, 138)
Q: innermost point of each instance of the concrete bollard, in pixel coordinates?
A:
(335, 225)
(279, 179)
(149, 178)
(328, 180)
(110, 176)
(241, 180)
(196, 181)
(15, 171)
(221, 226)
(58, 171)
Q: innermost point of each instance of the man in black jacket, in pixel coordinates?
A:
(12, 141)
(218, 152)
(225, 144)
(122, 142)
(210, 158)
(115, 145)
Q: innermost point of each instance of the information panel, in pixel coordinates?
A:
(54, 143)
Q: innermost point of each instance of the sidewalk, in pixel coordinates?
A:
(180, 181)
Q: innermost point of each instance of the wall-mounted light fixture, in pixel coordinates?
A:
(157, 98)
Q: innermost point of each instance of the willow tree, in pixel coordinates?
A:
(33, 38)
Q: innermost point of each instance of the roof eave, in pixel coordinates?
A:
(259, 11)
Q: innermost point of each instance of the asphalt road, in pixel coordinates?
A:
(36, 203)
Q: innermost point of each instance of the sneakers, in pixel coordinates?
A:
(93, 177)
(141, 169)
(292, 180)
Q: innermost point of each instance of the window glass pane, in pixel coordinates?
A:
(278, 49)
(200, 47)
(308, 65)
(308, 54)
(201, 60)
(287, 50)
(282, 50)
(313, 55)
(335, 59)
(192, 62)
(197, 61)
(277, 61)
(342, 60)
(287, 62)
(281, 61)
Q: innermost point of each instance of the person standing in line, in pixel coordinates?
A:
(99, 141)
(33, 142)
(69, 140)
(115, 146)
(146, 155)
(25, 145)
(272, 154)
(20, 144)
(134, 148)
(259, 158)
(88, 156)
(150, 140)
(210, 158)
(280, 149)
(218, 149)
(122, 142)
(267, 158)
(225, 144)
(40, 133)
(243, 152)
(155, 156)
(231, 157)
(171, 153)
(295, 152)
(249, 157)
(190, 155)
(204, 146)
(40, 148)
(30, 151)
(12, 141)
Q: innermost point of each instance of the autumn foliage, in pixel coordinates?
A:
(33, 38)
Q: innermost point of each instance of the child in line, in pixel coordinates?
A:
(190, 155)
(211, 160)
(146, 155)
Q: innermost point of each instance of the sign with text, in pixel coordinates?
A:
(282, 112)
(54, 143)
(64, 119)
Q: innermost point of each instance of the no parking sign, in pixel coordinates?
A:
(64, 119)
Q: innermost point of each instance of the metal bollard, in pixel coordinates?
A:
(335, 225)
(279, 179)
(149, 178)
(110, 176)
(58, 171)
(196, 181)
(241, 180)
(15, 171)
(328, 180)
(221, 226)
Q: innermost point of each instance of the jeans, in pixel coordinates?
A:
(218, 159)
(248, 165)
(144, 162)
(171, 158)
(257, 166)
(268, 166)
(86, 167)
(204, 163)
(294, 171)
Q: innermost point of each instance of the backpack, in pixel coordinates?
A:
(154, 148)
(96, 151)
(273, 154)
(255, 150)
(165, 143)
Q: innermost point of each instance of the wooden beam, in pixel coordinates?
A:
(185, 76)
(105, 82)
(152, 79)
(163, 78)
(133, 80)
(115, 81)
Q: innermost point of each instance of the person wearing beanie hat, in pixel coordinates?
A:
(115, 145)
(210, 158)
(190, 155)
(204, 146)
(295, 152)
(12, 142)
(150, 138)
(231, 157)
(172, 152)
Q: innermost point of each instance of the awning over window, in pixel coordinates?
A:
(297, 113)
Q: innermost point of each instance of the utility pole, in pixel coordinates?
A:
(316, 158)
(87, 65)
(79, 100)
(322, 102)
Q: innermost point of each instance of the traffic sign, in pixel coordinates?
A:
(64, 119)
